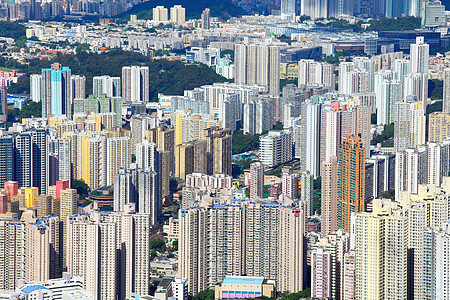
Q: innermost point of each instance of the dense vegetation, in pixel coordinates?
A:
(12, 30)
(167, 77)
(394, 24)
(81, 187)
(384, 24)
(435, 89)
(33, 109)
(219, 8)
(386, 138)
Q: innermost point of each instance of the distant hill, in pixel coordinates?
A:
(194, 8)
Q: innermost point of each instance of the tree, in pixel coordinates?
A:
(435, 89)
(167, 77)
(157, 244)
(81, 187)
(175, 245)
(204, 295)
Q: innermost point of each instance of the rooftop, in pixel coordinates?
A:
(243, 280)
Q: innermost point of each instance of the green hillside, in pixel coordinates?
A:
(166, 77)
(219, 8)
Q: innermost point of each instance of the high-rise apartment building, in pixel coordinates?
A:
(258, 64)
(36, 87)
(139, 125)
(7, 167)
(118, 156)
(256, 180)
(258, 115)
(420, 52)
(177, 14)
(106, 85)
(56, 91)
(314, 9)
(411, 169)
(438, 126)
(382, 253)
(351, 176)
(3, 102)
(275, 148)
(320, 273)
(312, 73)
(288, 7)
(446, 94)
(135, 84)
(409, 125)
(436, 262)
(28, 250)
(240, 233)
(206, 19)
(140, 187)
(307, 191)
(348, 276)
(310, 137)
(121, 260)
(31, 158)
(336, 244)
(160, 14)
(78, 87)
(329, 202)
(289, 183)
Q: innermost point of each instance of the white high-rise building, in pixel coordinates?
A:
(311, 72)
(149, 194)
(258, 116)
(437, 262)
(160, 14)
(310, 137)
(409, 125)
(177, 14)
(135, 84)
(411, 169)
(415, 85)
(106, 85)
(125, 189)
(446, 99)
(438, 166)
(420, 53)
(315, 9)
(64, 151)
(288, 7)
(258, 64)
(36, 87)
(275, 148)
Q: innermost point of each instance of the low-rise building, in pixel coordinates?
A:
(244, 287)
